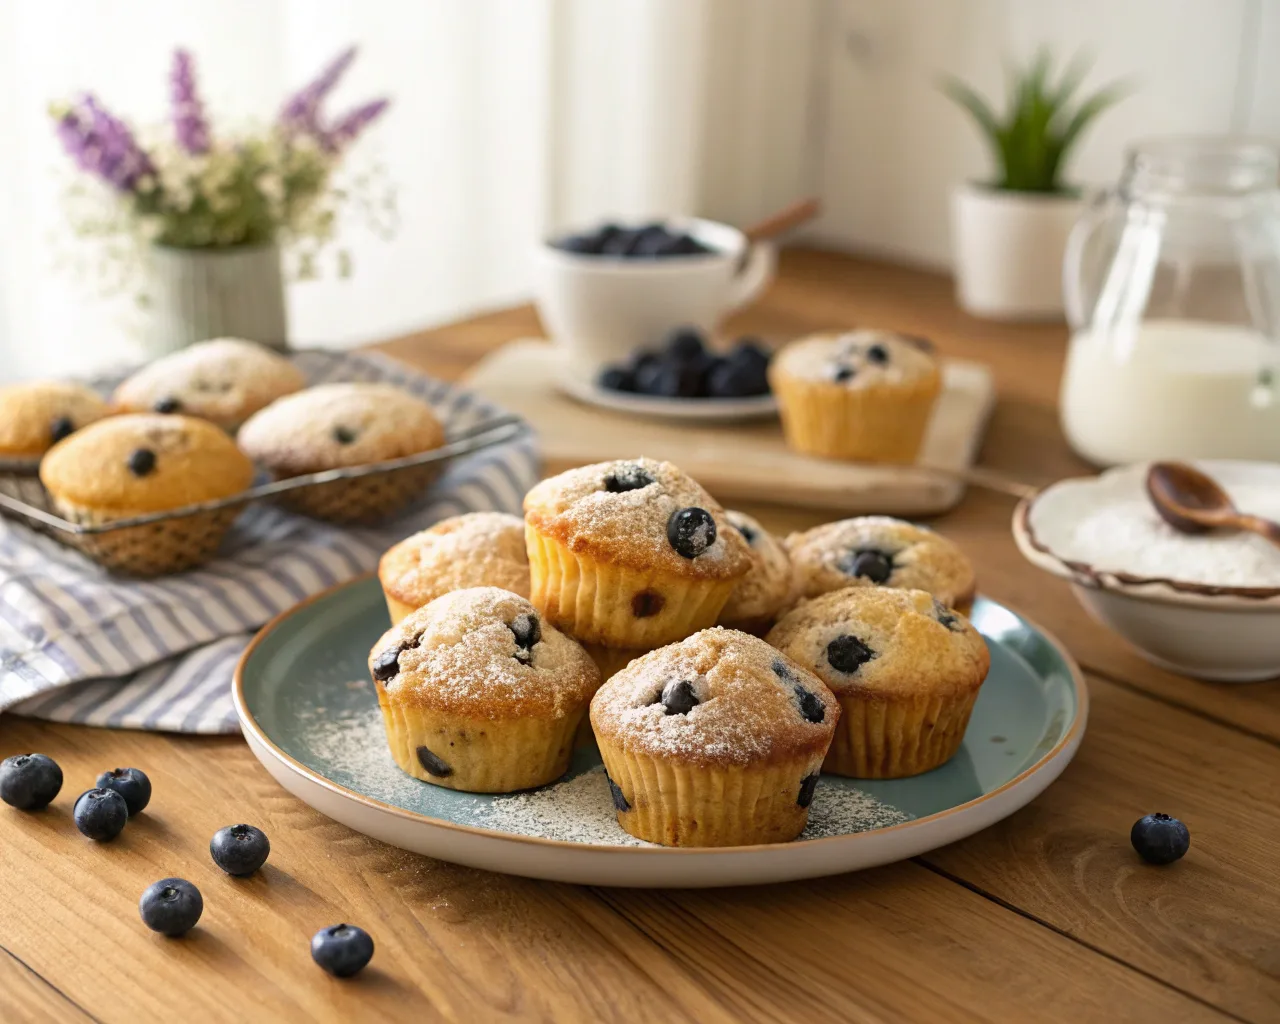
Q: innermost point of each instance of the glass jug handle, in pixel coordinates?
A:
(1079, 310)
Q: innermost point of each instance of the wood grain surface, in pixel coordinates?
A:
(1048, 916)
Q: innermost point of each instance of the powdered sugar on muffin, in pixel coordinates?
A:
(767, 588)
(858, 358)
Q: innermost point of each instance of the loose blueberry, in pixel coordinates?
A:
(29, 782)
(678, 697)
(843, 372)
(342, 949)
(685, 345)
(61, 427)
(617, 378)
(239, 849)
(100, 814)
(627, 478)
(386, 664)
(1160, 839)
(691, 531)
(433, 765)
(646, 604)
(344, 435)
(141, 461)
(171, 906)
(878, 354)
(619, 799)
(848, 653)
(875, 566)
(811, 706)
(167, 405)
(807, 785)
(131, 784)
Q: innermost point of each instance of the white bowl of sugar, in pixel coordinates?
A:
(1203, 605)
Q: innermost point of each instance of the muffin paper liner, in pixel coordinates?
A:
(879, 739)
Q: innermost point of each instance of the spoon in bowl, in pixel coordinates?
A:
(1193, 502)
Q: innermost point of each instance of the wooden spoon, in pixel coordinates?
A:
(1193, 502)
(784, 220)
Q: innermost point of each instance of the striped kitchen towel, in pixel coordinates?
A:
(79, 645)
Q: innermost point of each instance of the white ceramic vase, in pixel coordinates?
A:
(1008, 249)
(197, 294)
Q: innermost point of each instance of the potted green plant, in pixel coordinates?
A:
(1009, 233)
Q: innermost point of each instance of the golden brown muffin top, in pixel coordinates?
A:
(766, 589)
(224, 381)
(138, 463)
(479, 549)
(640, 514)
(884, 643)
(337, 425)
(483, 653)
(878, 550)
(37, 414)
(856, 359)
(718, 698)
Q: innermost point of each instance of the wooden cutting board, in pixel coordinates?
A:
(743, 461)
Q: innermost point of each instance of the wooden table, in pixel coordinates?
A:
(1046, 916)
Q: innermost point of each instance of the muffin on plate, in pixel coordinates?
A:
(905, 669)
(224, 381)
(863, 395)
(631, 554)
(714, 741)
(767, 588)
(338, 426)
(131, 465)
(479, 694)
(478, 549)
(38, 414)
(881, 551)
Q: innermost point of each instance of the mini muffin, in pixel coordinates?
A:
(37, 415)
(714, 741)
(224, 381)
(877, 550)
(863, 395)
(479, 549)
(630, 554)
(767, 589)
(905, 669)
(478, 693)
(337, 426)
(133, 465)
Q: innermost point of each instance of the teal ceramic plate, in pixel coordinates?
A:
(310, 714)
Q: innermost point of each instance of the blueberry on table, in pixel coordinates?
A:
(1160, 839)
(171, 906)
(29, 782)
(342, 949)
(100, 814)
(239, 849)
(131, 784)
(685, 345)
(617, 378)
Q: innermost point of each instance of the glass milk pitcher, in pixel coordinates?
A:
(1172, 288)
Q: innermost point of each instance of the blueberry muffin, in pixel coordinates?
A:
(479, 549)
(338, 426)
(880, 551)
(37, 415)
(714, 741)
(767, 588)
(905, 669)
(863, 395)
(136, 464)
(479, 694)
(224, 381)
(631, 554)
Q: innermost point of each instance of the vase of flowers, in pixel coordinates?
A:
(1009, 234)
(216, 221)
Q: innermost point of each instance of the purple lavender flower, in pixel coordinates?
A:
(102, 144)
(301, 113)
(351, 124)
(189, 124)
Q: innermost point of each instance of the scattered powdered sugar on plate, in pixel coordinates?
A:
(353, 748)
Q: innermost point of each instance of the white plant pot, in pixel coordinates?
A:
(1008, 249)
(197, 294)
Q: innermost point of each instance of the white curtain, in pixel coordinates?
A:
(509, 118)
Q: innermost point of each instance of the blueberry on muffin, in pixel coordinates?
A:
(767, 589)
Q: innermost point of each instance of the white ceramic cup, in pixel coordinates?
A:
(603, 308)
